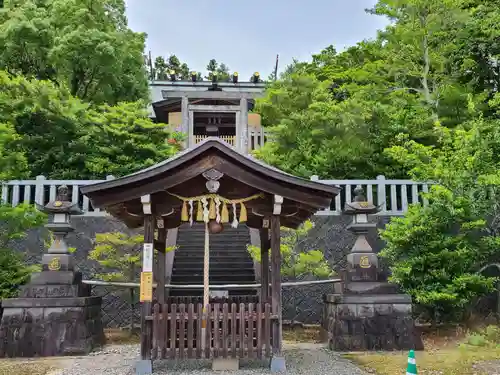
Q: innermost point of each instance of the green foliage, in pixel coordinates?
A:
(14, 222)
(120, 258)
(489, 336)
(119, 253)
(435, 252)
(295, 261)
(221, 70)
(82, 141)
(162, 69)
(335, 115)
(12, 163)
(85, 46)
(309, 132)
(13, 273)
(126, 140)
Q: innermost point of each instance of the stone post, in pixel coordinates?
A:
(243, 141)
(367, 314)
(185, 120)
(55, 314)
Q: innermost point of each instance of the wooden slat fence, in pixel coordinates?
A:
(221, 300)
(394, 196)
(232, 331)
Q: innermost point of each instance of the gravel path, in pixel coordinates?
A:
(302, 359)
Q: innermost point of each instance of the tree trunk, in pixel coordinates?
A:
(425, 75)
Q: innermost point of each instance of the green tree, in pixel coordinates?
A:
(426, 66)
(311, 133)
(12, 163)
(435, 252)
(297, 262)
(211, 68)
(87, 47)
(14, 224)
(14, 221)
(223, 73)
(62, 137)
(421, 40)
(221, 70)
(120, 258)
(160, 69)
(126, 140)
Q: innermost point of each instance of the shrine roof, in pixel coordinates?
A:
(243, 174)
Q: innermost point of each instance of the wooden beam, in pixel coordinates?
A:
(276, 285)
(256, 222)
(264, 264)
(214, 108)
(146, 307)
(221, 95)
(161, 279)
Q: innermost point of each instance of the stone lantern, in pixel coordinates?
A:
(367, 314)
(58, 257)
(362, 261)
(56, 314)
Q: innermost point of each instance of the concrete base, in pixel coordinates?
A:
(278, 364)
(144, 367)
(226, 364)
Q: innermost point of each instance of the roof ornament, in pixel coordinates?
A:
(213, 176)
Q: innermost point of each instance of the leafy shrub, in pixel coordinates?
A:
(436, 252)
(295, 261)
(14, 223)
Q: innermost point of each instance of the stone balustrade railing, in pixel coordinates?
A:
(394, 196)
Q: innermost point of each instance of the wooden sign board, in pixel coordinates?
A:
(146, 287)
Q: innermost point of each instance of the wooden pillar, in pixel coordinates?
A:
(169, 257)
(161, 279)
(276, 284)
(264, 265)
(146, 307)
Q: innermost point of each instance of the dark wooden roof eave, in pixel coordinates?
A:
(202, 147)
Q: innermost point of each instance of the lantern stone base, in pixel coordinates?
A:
(55, 316)
(372, 320)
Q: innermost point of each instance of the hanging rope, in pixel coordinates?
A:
(206, 265)
(214, 207)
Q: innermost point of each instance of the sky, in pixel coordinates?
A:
(247, 35)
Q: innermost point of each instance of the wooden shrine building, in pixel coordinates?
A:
(213, 184)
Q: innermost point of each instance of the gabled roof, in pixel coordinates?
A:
(241, 170)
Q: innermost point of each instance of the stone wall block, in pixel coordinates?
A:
(356, 327)
(33, 316)
(383, 309)
(402, 308)
(366, 310)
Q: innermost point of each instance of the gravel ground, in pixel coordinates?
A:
(302, 359)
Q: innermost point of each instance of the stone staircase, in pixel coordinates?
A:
(230, 262)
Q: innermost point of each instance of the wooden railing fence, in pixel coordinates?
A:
(232, 331)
